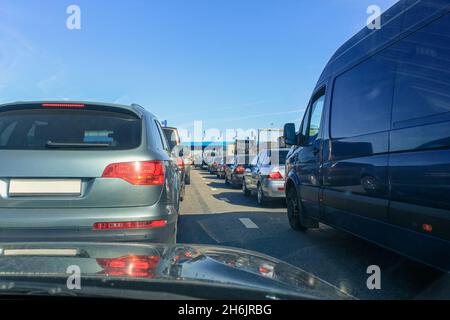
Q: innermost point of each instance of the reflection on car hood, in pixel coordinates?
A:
(175, 263)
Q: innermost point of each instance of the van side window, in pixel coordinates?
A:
(313, 116)
(304, 126)
(362, 98)
(316, 117)
(423, 77)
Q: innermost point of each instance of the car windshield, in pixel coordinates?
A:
(226, 149)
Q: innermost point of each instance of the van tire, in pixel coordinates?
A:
(294, 211)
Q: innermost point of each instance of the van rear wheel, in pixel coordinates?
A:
(294, 211)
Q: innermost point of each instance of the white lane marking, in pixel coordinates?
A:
(248, 223)
(213, 189)
(224, 199)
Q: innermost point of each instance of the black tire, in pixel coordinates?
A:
(187, 179)
(182, 193)
(261, 198)
(246, 192)
(294, 211)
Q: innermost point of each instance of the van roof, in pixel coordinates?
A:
(135, 108)
(410, 13)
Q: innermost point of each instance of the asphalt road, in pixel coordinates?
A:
(214, 213)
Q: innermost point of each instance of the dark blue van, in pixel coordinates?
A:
(372, 154)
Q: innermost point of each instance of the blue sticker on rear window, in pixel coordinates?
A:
(98, 136)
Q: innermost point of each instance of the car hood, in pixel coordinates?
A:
(175, 263)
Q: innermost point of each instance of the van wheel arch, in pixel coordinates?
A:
(298, 218)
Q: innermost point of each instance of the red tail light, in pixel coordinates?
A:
(180, 163)
(131, 265)
(427, 227)
(63, 105)
(275, 175)
(239, 169)
(129, 225)
(137, 173)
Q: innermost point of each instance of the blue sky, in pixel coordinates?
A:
(230, 63)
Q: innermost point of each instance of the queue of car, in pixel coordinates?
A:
(262, 177)
(371, 157)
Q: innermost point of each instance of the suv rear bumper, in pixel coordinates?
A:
(75, 224)
(165, 234)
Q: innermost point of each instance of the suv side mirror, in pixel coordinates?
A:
(290, 138)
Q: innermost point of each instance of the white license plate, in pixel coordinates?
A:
(41, 252)
(44, 187)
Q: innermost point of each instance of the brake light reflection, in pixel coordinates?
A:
(239, 169)
(131, 265)
(129, 225)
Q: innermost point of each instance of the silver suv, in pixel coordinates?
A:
(80, 171)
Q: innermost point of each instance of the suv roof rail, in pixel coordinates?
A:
(137, 105)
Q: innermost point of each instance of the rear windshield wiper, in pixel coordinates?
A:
(51, 144)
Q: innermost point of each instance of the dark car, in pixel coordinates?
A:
(177, 153)
(188, 164)
(372, 155)
(153, 271)
(221, 169)
(234, 173)
(214, 164)
(83, 171)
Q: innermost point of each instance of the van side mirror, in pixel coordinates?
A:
(290, 138)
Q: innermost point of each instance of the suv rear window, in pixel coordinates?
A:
(34, 128)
